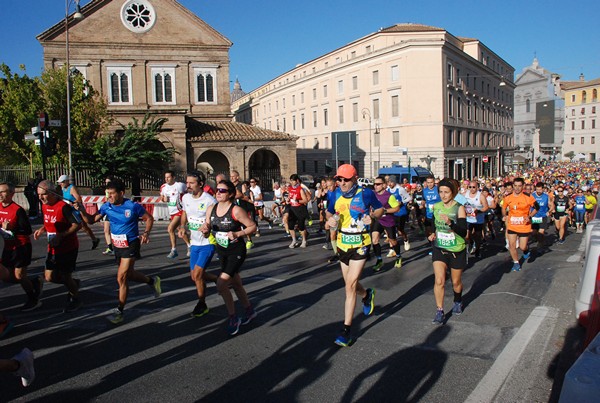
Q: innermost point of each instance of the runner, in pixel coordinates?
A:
(352, 213)
(106, 223)
(16, 255)
(278, 199)
(401, 216)
(418, 207)
(562, 207)
(259, 205)
(517, 211)
(579, 209)
(229, 224)
(475, 208)
(385, 223)
(321, 200)
(298, 211)
(590, 203)
(539, 222)
(242, 199)
(171, 193)
(449, 250)
(194, 204)
(432, 196)
(70, 194)
(124, 215)
(491, 213)
(333, 193)
(61, 224)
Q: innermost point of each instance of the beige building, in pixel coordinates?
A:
(582, 131)
(156, 56)
(406, 92)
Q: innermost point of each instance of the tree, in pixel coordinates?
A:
(129, 152)
(570, 155)
(20, 105)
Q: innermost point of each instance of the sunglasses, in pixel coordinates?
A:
(378, 183)
(472, 187)
(340, 179)
(222, 190)
(252, 181)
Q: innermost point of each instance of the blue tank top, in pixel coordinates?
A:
(432, 196)
(543, 202)
(67, 193)
(580, 203)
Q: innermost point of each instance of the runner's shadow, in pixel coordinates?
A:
(491, 275)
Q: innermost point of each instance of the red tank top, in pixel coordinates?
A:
(295, 195)
(9, 214)
(56, 221)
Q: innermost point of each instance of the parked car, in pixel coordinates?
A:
(417, 174)
(365, 182)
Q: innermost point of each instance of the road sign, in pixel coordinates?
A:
(43, 119)
(459, 161)
(55, 123)
(485, 157)
(29, 137)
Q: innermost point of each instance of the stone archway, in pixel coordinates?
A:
(212, 163)
(265, 165)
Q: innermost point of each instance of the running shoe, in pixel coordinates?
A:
(333, 259)
(561, 241)
(293, 244)
(527, 255)
(38, 286)
(249, 245)
(189, 251)
(233, 327)
(200, 310)
(173, 254)
(108, 251)
(343, 340)
(430, 253)
(310, 223)
(5, 327)
(257, 234)
(478, 254)
(398, 263)
(303, 244)
(95, 243)
(73, 304)
(31, 304)
(116, 316)
(516, 267)
(249, 316)
(391, 253)
(369, 302)
(270, 226)
(378, 265)
(156, 286)
(326, 246)
(439, 317)
(26, 370)
(457, 309)
(406, 245)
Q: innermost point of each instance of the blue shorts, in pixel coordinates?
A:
(201, 255)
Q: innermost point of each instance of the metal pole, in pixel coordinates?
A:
(68, 89)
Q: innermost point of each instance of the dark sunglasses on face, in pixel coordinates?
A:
(378, 183)
(340, 179)
(222, 190)
(472, 187)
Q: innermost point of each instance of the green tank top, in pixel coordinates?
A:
(445, 238)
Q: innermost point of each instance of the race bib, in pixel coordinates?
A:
(351, 239)
(430, 208)
(195, 223)
(119, 241)
(517, 220)
(445, 239)
(222, 239)
(560, 209)
(537, 220)
(171, 202)
(580, 206)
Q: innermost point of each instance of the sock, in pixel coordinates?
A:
(121, 308)
(377, 250)
(397, 249)
(457, 296)
(151, 282)
(346, 329)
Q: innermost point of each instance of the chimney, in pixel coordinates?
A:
(581, 77)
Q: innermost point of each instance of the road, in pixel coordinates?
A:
(506, 346)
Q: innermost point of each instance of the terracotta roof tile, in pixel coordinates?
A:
(411, 27)
(232, 131)
(570, 85)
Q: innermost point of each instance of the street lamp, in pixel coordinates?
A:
(367, 112)
(76, 16)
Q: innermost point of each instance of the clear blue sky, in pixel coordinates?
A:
(564, 35)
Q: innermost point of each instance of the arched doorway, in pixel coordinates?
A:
(264, 165)
(212, 163)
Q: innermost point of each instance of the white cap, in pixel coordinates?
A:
(62, 178)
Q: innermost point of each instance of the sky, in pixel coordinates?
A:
(270, 37)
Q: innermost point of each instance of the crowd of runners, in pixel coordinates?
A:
(458, 218)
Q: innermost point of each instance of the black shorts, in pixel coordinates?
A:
(519, 234)
(62, 262)
(286, 209)
(232, 257)
(130, 252)
(474, 226)
(361, 253)
(557, 216)
(19, 258)
(543, 225)
(454, 260)
(400, 222)
(428, 223)
(298, 215)
(377, 227)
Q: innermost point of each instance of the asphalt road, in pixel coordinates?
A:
(506, 346)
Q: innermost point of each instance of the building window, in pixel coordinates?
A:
(469, 111)
(120, 88)
(206, 85)
(354, 83)
(395, 73)
(584, 97)
(449, 137)
(340, 86)
(138, 15)
(316, 166)
(573, 112)
(593, 123)
(276, 105)
(376, 77)
(593, 109)
(572, 125)
(314, 118)
(572, 140)
(450, 73)
(582, 141)
(376, 139)
(341, 114)
(459, 107)
(450, 104)
(325, 91)
(302, 121)
(376, 109)
(594, 95)
(316, 144)
(573, 98)
(293, 100)
(583, 111)
(314, 91)
(468, 139)
(302, 98)
(527, 106)
(326, 142)
(458, 138)
(395, 106)
(355, 112)
(396, 138)
(582, 124)
(325, 117)
(593, 140)
(293, 122)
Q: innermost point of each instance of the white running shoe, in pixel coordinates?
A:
(406, 245)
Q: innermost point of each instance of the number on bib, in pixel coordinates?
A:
(119, 241)
(222, 239)
(351, 239)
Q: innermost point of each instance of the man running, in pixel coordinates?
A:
(475, 207)
(259, 204)
(124, 215)
(61, 224)
(517, 211)
(171, 193)
(71, 195)
(562, 208)
(352, 213)
(16, 255)
(432, 196)
(194, 205)
(385, 223)
(298, 214)
(401, 216)
(539, 222)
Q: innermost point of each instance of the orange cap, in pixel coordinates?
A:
(346, 171)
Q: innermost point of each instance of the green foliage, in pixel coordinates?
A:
(20, 105)
(129, 152)
(570, 155)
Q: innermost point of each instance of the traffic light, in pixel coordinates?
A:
(49, 147)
